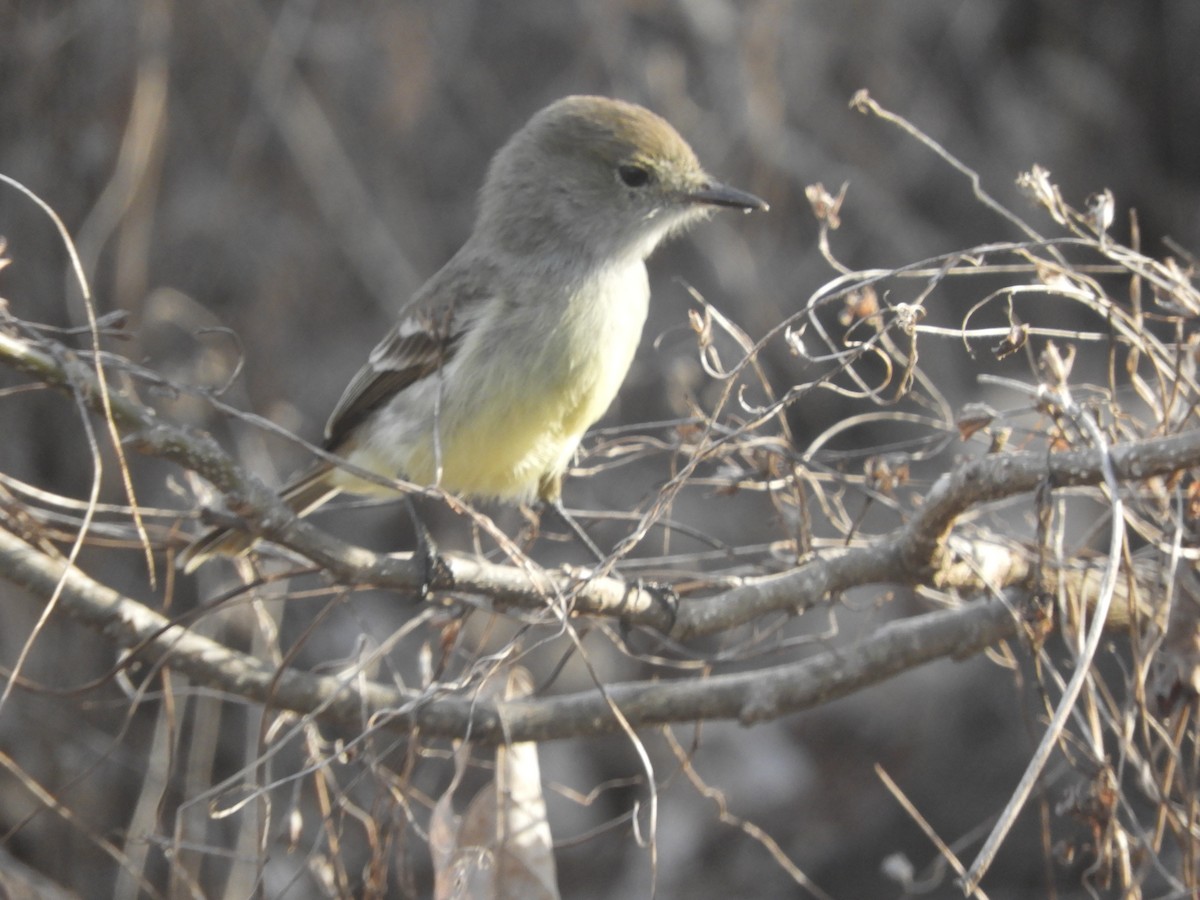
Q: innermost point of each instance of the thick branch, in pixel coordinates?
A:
(915, 554)
(749, 697)
(130, 625)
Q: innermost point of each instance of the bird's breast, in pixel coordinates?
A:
(549, 372)
(530, 376)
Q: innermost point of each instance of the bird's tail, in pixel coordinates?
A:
(303, 495)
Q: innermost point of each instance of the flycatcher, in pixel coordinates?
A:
(507, 355)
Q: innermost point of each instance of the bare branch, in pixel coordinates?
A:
(749, 697)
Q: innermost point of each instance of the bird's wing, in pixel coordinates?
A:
(419, 345)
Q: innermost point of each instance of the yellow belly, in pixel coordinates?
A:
(512, 406)
(505, 450)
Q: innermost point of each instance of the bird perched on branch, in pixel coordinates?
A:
(505, 357)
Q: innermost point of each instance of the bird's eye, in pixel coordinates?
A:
(633, 176)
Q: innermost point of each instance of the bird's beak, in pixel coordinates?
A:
(713, 193)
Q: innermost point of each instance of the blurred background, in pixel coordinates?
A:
(260, 186)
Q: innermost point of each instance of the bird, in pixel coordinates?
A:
(506, 356)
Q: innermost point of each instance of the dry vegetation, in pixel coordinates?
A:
(901, 596)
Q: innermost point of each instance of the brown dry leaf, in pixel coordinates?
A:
(1177, 668)
(1017, 337)
(974, 418)
(826, 207)
(859, 304)
(887, 471)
